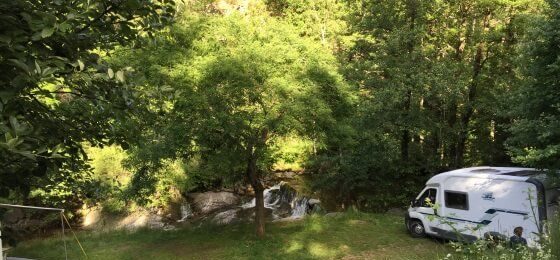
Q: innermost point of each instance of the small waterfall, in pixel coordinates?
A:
(300, 207)
(186, 211)
(269, 200)
(284, 202)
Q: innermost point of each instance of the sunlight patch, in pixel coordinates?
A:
(294, 246)
(316, 226)
(320, 250)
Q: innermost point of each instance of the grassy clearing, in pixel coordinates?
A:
(350, 236)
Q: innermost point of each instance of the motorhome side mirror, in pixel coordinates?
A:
(414, 203)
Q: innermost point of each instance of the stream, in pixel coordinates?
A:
(281, 202)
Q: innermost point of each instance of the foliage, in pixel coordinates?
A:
(359, 94)
(117, 191)
(535, 137)
(551, 242)
(241, 82)
(487, 250)
(501, 248)
(55, 91)
(431, 77)
(291, 153)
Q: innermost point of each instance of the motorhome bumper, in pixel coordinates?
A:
(407, 220)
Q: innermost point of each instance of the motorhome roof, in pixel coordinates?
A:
(511, 173)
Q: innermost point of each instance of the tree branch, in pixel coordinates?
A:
(105, 12)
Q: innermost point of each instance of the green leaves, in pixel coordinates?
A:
(50, 102)
(47, 32)
(219, 85)
(120, 76)
(535, 139)
(20, 64)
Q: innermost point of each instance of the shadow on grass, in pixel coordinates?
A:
(350, 236)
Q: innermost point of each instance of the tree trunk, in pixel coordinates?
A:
(478, 64)
(255, 180)
(453, 114)
(405, 136)
(412, 8)
(452, 140)
(254, 177)
(469, 110)
(259, 210)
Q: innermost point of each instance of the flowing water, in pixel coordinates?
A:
(284, 202)
(300, 207)
(281, 200)
(186, 211)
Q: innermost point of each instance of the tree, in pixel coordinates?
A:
(242, 83)
(55, 90)
(535, 139)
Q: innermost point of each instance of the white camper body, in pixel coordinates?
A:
(472, 203)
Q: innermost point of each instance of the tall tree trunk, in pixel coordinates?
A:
(255, 180)
(412, 6)
(453, 114)
(405, 136)
(452, 140)
(259, 210)
(478, 63)
(469, 109)
(254, 177)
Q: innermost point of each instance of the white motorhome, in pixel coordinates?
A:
(472, 203)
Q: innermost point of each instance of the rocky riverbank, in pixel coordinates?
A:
(282, 202)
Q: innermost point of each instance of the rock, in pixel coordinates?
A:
(285, 175)
(334, 214)
(396, 211)
(207, 202)
(288, 219)
(312, 202)
(143, 219)
(248, 214)
(91, 216)
(316, 209)
(13, 216)
(226, 217)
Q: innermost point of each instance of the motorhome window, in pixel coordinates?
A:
(456, 200)
(429, 194)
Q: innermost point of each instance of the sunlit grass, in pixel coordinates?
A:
(350, 236)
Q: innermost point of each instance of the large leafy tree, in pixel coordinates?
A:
(240, 83)
(55, 90)
(535, 137)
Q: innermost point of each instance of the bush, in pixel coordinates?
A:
(549, 248)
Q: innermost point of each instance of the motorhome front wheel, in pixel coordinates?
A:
(417, 229)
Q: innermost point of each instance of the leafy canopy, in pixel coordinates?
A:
(238, 85)
(55, 90)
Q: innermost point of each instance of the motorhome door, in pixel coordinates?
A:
(426, 204)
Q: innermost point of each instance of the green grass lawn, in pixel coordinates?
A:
(350, 236)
